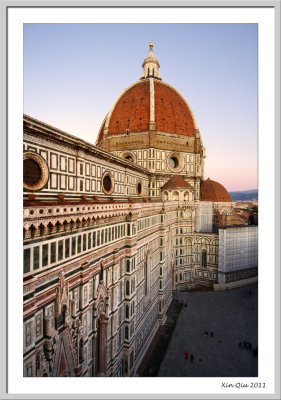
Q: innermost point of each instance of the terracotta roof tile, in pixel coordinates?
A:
(171, 112)
(132, 111)
(213, 191)
(176, 182)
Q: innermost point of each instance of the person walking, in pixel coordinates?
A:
(206, 334)
(186, 355)
(192, 358)
(212, 334)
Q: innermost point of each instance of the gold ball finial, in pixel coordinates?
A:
(151, 44)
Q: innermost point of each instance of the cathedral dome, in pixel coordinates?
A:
(133, 111)
(149, 105)
(213, 191)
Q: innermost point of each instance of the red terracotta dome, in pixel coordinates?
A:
(176, 182)
(213, 191)
(132, 111)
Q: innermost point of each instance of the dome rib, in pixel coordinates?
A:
(132, 111)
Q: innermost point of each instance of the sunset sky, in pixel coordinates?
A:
(74, 72)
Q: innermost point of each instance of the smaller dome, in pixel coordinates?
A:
(213, 191)
(176, 182)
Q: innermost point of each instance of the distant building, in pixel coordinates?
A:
(111, 230)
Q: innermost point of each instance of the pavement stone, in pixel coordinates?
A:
(232, 316)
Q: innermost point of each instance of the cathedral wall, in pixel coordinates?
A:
(75, 169)
(156, 160)
(130, 252)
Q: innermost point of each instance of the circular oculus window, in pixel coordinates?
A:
(129, 156)
(35, 171)
(175, 162)
(107, 183)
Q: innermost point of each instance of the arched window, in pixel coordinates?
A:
(176, 196)
(204, 258)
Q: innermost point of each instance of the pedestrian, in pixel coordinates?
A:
(186, 355)
(185, 305)
(240, 344)
(191, 358)
(250, 346)
(206, 334)
(245, 344)
(212, 334)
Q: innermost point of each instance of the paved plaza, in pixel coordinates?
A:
(232, 316)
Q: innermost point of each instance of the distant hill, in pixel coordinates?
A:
(244, 195)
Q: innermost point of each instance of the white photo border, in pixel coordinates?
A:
(269, 199)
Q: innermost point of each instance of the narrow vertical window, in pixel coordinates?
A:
(60, 250)
(53, 252)
(89, 240)
(127, 288)
(45, 255)
(73, 246)
(79, 244)
(204, 258)
(66, 250)
(36, 257)
(145, 278)
(26, 261)
(126, 336)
